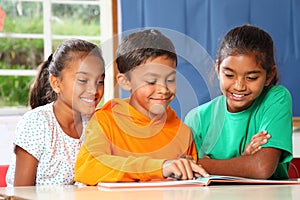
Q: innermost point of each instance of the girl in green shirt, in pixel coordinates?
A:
(251, 103)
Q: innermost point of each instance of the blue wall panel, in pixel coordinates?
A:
(204, 23)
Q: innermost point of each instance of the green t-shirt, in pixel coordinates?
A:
(223, 135)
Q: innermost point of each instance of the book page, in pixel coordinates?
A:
(199, 182)
(155, 184)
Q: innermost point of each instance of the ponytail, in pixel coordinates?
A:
(41, 92)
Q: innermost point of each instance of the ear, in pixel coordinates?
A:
(123, 81)
(271, 75)
(55, 83)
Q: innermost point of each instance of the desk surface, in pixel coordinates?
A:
(232, 192)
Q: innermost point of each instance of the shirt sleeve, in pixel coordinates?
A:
(276, 118)
(96, 162)
(30, 133)
(193, 121)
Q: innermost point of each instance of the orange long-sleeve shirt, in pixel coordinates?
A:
(121, 144)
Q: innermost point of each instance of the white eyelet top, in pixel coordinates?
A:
(39, 133)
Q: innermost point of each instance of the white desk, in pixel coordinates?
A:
(224, 192)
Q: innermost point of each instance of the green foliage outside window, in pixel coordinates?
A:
(14, 90)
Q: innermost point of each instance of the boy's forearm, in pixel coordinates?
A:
(108, 168)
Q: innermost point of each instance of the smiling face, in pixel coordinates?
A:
(82, 84)
(152, 85)
(242, 80)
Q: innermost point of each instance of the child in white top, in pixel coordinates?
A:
(67, 89)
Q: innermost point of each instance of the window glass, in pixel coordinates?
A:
(22, 16)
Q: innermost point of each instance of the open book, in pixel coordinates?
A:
(201, 181)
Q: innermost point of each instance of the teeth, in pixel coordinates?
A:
(238, 95)
(88, 100)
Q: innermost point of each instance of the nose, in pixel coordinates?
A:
(162, 88)
(92, 88)
(240, 84)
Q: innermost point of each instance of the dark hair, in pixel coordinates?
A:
(249, 39)
(41, 91)
(138, 47)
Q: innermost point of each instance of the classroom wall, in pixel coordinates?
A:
(7, 127)
(204, 23)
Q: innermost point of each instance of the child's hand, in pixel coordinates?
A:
(183, 169)
(255, 143)
(206, 156)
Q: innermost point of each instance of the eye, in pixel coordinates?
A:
(252, 78)
(151, 82)
(100, 82)
(228, 75)
(82, 80)
(171, 80)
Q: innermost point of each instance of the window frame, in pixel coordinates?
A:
(108, 22)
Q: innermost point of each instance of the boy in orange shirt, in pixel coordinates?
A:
(140, 138)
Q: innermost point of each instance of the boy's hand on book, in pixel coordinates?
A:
(255, 143)
(183, 169)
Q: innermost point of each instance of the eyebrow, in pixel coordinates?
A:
(157, 75)
(85, 73)
(249, 72)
